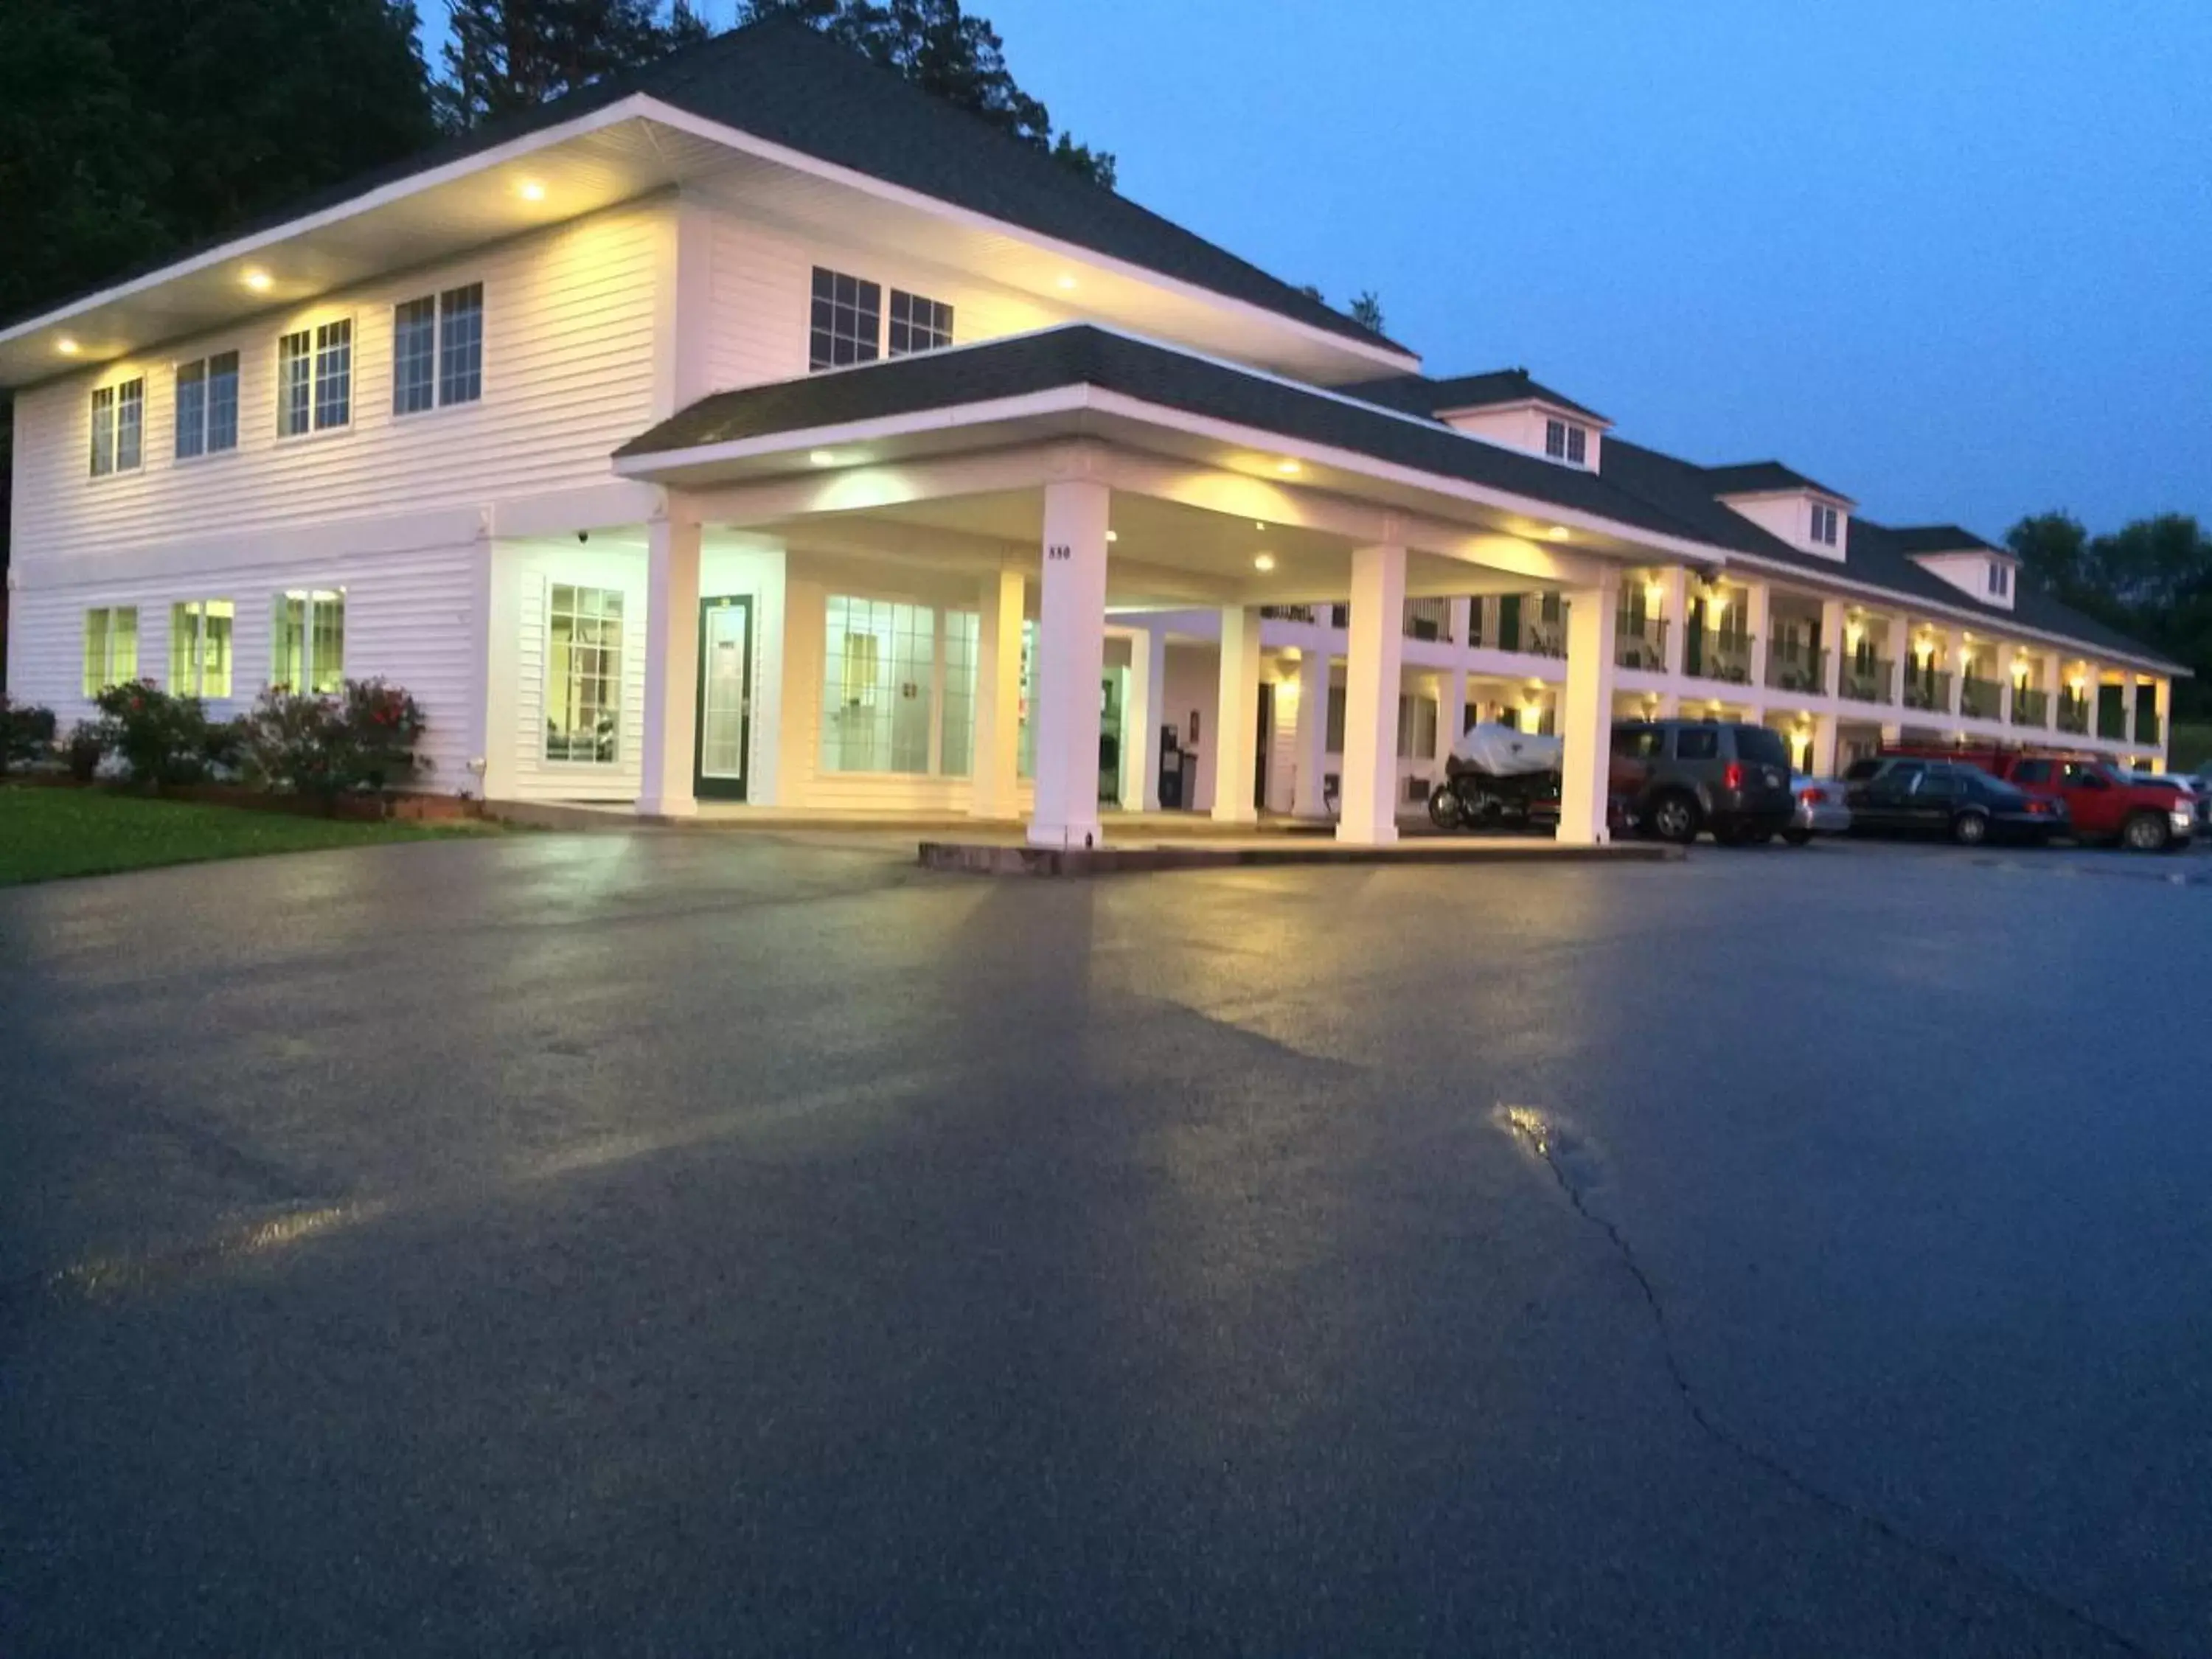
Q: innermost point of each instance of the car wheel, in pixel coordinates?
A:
(1797, 837)
(1675, 817)
(1970, 829)
(2145, 832)
(1444, 807)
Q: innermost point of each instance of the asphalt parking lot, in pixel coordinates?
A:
(685, 1244)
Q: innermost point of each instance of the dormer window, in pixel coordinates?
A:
(1824, 523)
(1564, 441)
(2000, 581)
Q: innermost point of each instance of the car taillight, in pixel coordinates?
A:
(1733, 778)
(1812, 796)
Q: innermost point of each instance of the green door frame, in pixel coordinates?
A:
(722, 788)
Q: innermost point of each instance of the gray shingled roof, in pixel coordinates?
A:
(1640, 487)
(781, 82)
(1758, 477)
(1943, 538)
(1417, 394)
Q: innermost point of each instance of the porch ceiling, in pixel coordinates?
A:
(1165, 554)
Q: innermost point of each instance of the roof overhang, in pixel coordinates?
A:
(1516, 405)
(627, 150)
(1792, 493)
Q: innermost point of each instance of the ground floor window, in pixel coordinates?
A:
(200, 647)
(1332, 739)
(583, 675)
(111, 647)
(1417, 728)
(898, 688)
(306, 640)
(1025, 731)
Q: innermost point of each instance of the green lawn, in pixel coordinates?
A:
(45, 833)
(2192, 746)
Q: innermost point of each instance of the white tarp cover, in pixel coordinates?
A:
(1504, 753)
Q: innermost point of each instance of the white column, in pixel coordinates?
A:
(1674, 608)
(2005, 683)
(996, 786)
(1369, 794)
(2053, 682)
(1460, 609)
(1308, 803)
(1823, 746)
(2162, 692)
(1071, 652)
(672, 664)
(1586, 713)
(1140, 721)
(1237, 717)
(1832, 624)
(2129, 688)
(1900, 635)
(1451, 713)
(1758, 617)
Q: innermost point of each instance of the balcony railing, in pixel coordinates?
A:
(1720, 657)
(1641, 645)
(1866, 680)
(1294, 613)
(2074, 715)
(2029, 707)
(2111, 721)
(1980, 700)
(1928, 689)
(1428, 619)
(2147, 724)
(1524, 629)
(1804, 670)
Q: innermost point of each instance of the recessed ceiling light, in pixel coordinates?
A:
(1558, 532)
(1259, 524)
(1289, 469)
(1066, 282)
(67, 347)
(1113, 535)
(821, 457)
(531, 191)
(1263, 562)
(256, 280)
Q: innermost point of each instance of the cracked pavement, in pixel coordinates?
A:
(685, 1244)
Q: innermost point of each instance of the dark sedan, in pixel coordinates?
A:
(1938, 797)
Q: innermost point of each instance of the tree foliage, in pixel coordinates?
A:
(507, 56)
(948, 52)
(2152, 579)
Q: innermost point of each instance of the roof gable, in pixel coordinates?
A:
(1766, 478)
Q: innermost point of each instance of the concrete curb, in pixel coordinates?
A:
(985, 858)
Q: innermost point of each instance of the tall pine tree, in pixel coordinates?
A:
(507, 55)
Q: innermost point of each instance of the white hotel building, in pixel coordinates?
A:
(756, 430)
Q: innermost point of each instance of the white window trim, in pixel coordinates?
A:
(108, 664)
(436, 296)
(199, 641)
(309, 588)
(594, 769)
(115, 469)
(276, 370)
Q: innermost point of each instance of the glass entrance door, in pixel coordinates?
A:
(725, 645)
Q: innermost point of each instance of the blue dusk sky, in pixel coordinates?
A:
(1952, 257)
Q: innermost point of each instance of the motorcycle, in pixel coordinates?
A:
(1471, 799)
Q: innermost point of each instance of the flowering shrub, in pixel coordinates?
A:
(161, 739)
(27, 732)
(86, 748)
(364, 738)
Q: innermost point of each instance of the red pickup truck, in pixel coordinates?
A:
(2102, 803)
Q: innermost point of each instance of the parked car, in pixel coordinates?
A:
(2103, 804)
(1683, 778)
(1946, 797)
(1821, 810)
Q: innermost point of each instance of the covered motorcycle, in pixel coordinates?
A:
(1498, 774)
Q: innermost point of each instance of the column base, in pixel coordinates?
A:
(670, 806)
(1241, 815)
(1066, 837)
(1354, 834)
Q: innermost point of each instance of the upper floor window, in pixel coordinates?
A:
(314, 379)
(111, 647)
(847, 321)
(2000, 580)
(200, 647)
(306, 640)
(1824, 523)
(437, 350)
(918, 324)
(207, 405)
(118, 420)
(1564, 441)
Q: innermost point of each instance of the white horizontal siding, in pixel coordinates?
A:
(762, 291)
(569, 329)
(410, 618)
